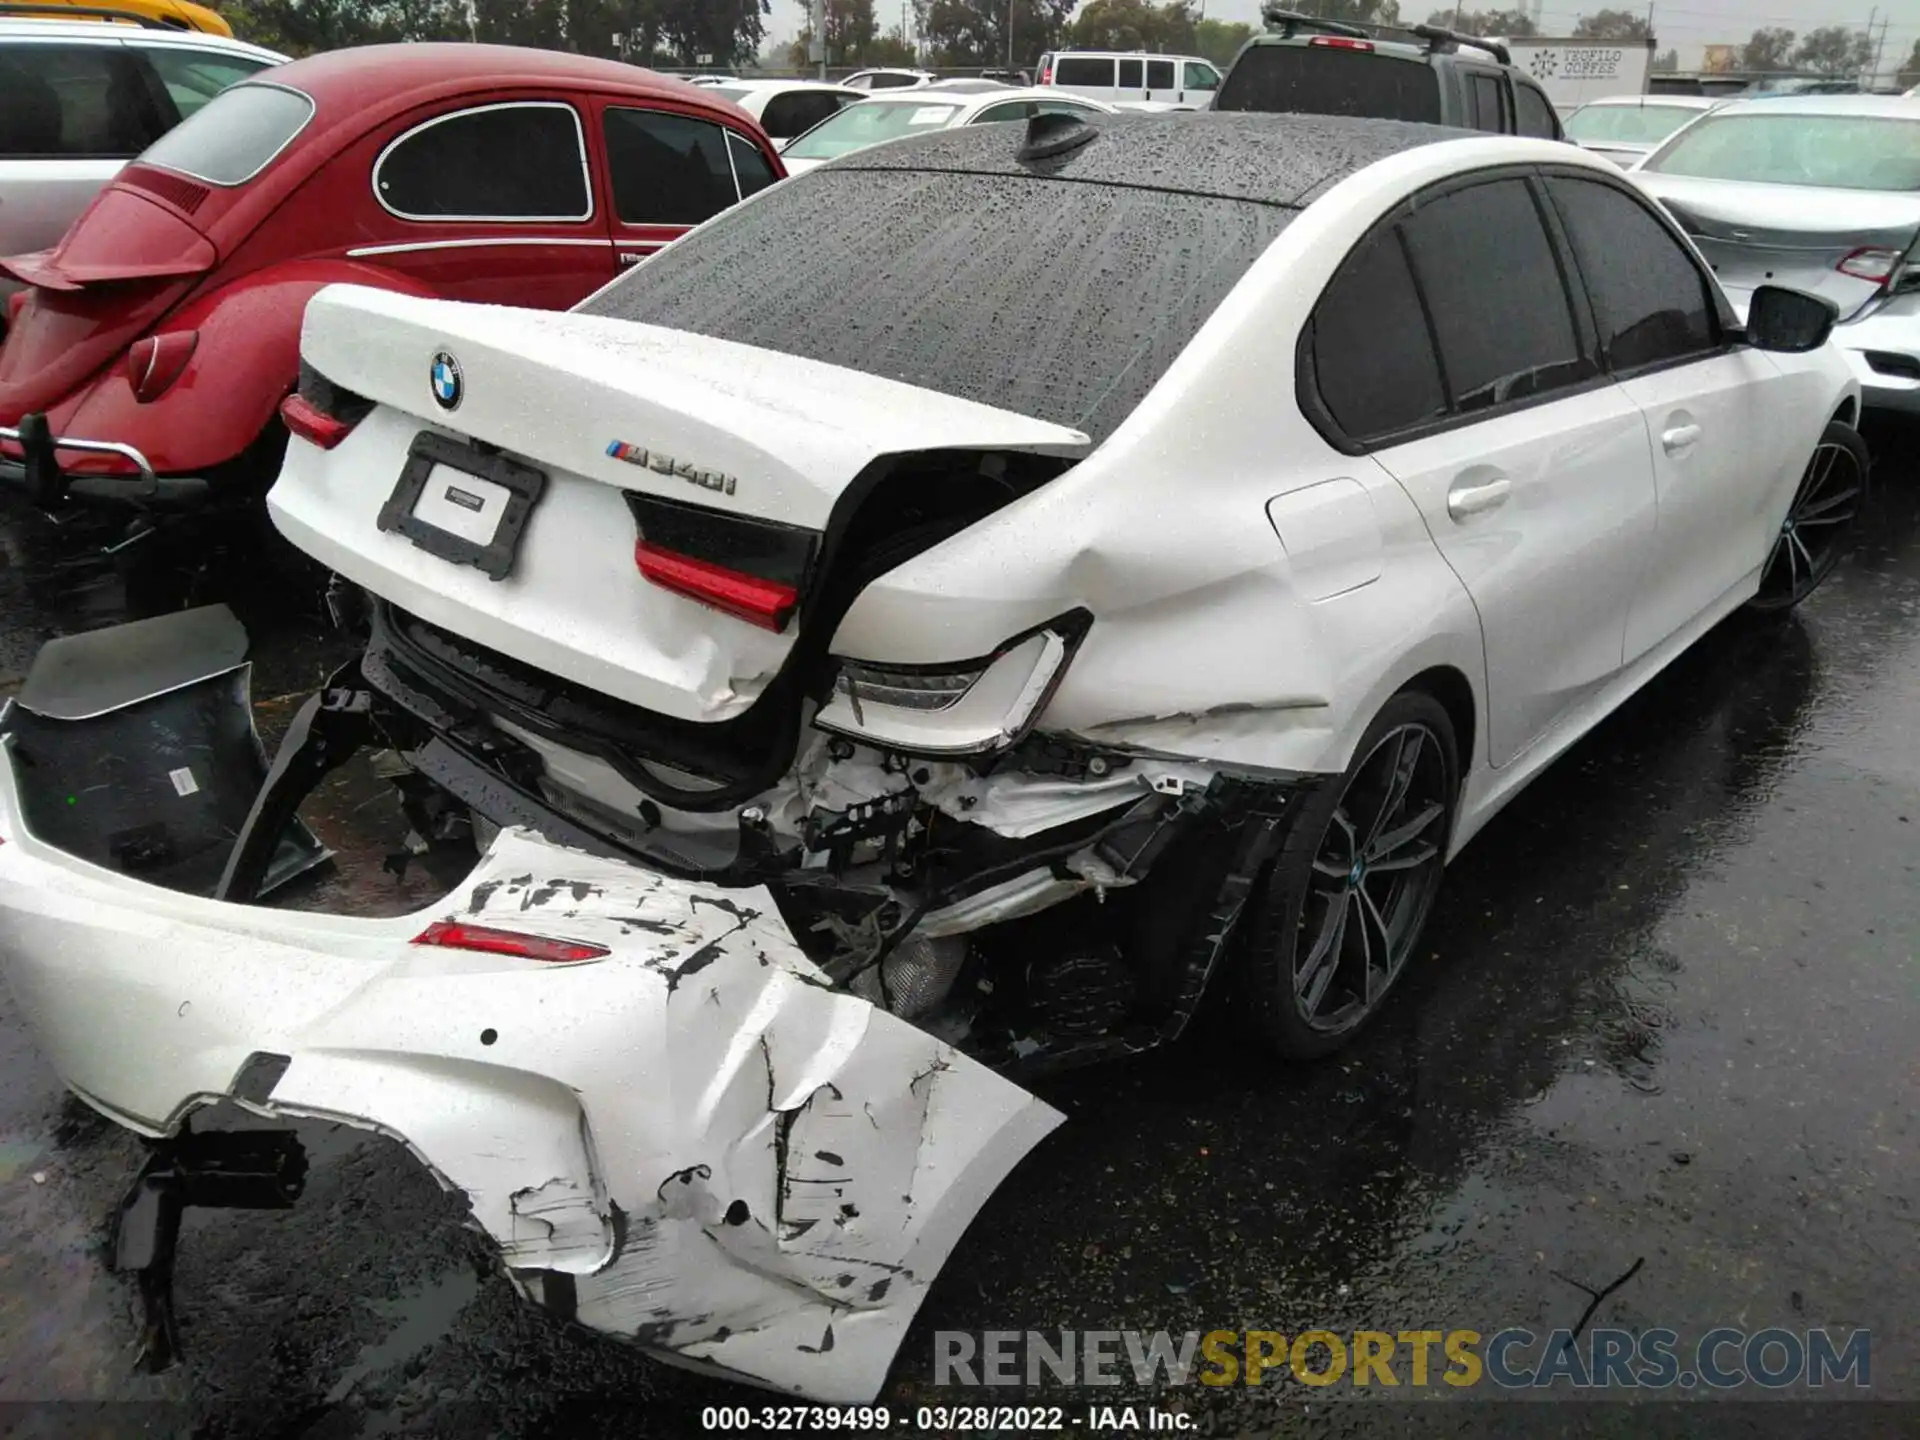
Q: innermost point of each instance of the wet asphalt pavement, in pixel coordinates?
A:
(1668, 1017)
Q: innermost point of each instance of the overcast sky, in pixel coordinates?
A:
(1687, 24)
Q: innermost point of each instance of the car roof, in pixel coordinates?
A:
(1894, 106)
(1273, 159)
(442, 66)
(35, 28)
(829, 86)
(1682, 102)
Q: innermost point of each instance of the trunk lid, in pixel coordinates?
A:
(122, 265)
(607, 410)
(1789, 235)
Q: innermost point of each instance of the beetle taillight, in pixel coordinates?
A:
(155, 362)
(456, 935)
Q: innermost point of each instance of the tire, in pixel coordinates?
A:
(1820, 523)
(1300, 972)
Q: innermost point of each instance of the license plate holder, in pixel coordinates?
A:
(523, 483)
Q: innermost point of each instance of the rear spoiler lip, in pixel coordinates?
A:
(40, 269)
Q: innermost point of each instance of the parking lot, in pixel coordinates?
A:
(1666, 1021)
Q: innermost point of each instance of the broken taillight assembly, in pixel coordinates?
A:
(740, 565)
(456, 935)
(321, 412)
(156, 361)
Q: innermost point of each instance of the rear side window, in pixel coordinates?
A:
(1487, 112)
(1329, 80)
(1532, 114)
(750, 167)
(77, 101)
(1160, 75)
(521, 161)
(234, 136)
(1649, 298)
(1056, 299)
(667, 169)
(193, 77)
(1082, 70)
(1501, 313)
(787, 115)
(1132, 75)
(1373, 361)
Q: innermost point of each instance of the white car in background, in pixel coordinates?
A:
(936, 621)
(786, 108)
(889, 79)
(1626, 127)
(922, 112)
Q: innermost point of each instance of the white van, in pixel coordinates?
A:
(1118, 77)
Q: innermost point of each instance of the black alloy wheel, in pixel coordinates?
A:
(1820, 521)
(1351, 890)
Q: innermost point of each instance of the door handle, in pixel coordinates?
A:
(1473, 497)
(1680, 437)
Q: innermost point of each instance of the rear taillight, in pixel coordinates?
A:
(1870, 264)
(156, 362)
(766, 603)
(753, 569)
(453, 935)
(1340, 42)
(321, 412)
(1046, 76)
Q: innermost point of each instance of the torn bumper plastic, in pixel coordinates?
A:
(691, 1141)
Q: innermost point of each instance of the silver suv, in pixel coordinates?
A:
(79, 98)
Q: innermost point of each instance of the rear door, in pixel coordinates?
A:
(1489, 108)
(1453, 323)
(668, 172)
(1163, 80)
(495, 192)
(1721, 417)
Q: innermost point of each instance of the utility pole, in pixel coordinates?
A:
(1009, 34)
(817, 51)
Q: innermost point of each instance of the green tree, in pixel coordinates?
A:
(303, 27)
(1133, 25)
(1486, 22)
(851, 31)
(1666, 60)
(1835, 50)
(1220, 40)
(1910, 72)
(1351, 12)
(892, 48)
(1766, 49)
(974, 32)
(1612, 25)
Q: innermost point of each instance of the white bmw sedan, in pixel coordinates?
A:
(933, 622)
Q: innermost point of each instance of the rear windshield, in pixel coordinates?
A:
(1312, 79)
(1837, 152)
(1051, 298)
(869, 123)
(234, 136)
(1629, 124)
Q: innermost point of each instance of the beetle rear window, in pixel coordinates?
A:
(1057, 299)
(234, 136)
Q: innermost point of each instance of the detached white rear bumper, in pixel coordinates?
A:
(730, 1161)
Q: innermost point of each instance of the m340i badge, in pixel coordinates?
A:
(667, 465)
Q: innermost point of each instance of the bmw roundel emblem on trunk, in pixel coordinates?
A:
(445, 378)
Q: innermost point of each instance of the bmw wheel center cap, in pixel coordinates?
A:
(446, 381)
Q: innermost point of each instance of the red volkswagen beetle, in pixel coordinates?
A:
(148, 361)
